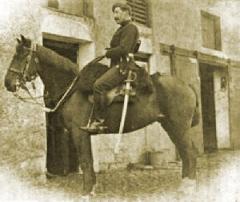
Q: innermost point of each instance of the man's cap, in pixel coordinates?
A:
(123, 7)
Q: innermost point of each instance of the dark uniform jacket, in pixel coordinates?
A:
(123, 42)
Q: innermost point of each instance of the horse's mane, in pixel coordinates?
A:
(61, 63)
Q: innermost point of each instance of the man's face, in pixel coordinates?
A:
(120, 16)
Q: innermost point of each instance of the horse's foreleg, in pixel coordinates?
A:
(65, 151)
(82, 142)
(86, 161)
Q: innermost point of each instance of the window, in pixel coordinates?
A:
(73, 7)
(211, 31)
(53, 4)
(139, 11)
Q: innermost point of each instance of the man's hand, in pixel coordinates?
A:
(106, 50)
(132, 65)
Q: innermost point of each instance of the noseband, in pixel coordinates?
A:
(21, 72)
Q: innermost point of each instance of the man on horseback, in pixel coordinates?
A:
(124, 41)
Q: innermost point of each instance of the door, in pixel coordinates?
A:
(68, 50)
(208, 108)
(215, 105)
(61, 153)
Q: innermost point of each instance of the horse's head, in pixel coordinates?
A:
(23, 67)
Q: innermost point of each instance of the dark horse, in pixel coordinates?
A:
(169, 96)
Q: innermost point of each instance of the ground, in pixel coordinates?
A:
(218, 179)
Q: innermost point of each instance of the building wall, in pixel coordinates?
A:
(22, 125)
(234, 88)
(172, 22)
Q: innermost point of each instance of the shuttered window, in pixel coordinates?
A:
(139, 11)
(72, 7)
(211, 31)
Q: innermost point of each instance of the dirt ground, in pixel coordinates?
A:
(218, 179)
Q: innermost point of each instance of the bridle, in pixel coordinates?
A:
(22, 72)
(23, 78)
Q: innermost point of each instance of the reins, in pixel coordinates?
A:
(34, 99)
(61, 100)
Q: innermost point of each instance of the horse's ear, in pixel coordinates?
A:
(23, 38)
(18, 40)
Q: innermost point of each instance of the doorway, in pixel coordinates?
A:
(61, 152)
(208, 107)
(68, 50)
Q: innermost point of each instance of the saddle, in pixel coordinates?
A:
(117, 95)
(142, 84)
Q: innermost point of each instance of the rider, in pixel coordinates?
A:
(124, 41)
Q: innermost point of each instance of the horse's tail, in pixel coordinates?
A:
(196, 115)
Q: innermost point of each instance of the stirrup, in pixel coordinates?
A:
(95, 127)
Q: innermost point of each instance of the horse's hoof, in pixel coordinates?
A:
(85, 197)
(52, 176)
(89, 193)
(92, 193)
(188, 186)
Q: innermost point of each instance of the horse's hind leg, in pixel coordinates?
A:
(189, 155)
(181, 137)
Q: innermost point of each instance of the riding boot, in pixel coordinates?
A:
(97, 125)
(99, 107)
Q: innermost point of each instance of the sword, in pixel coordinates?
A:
(124, 112)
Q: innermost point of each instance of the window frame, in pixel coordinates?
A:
(217, 30)
(86, 10)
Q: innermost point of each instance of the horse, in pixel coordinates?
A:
(169, 96)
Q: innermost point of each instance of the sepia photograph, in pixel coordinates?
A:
(120, 100)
